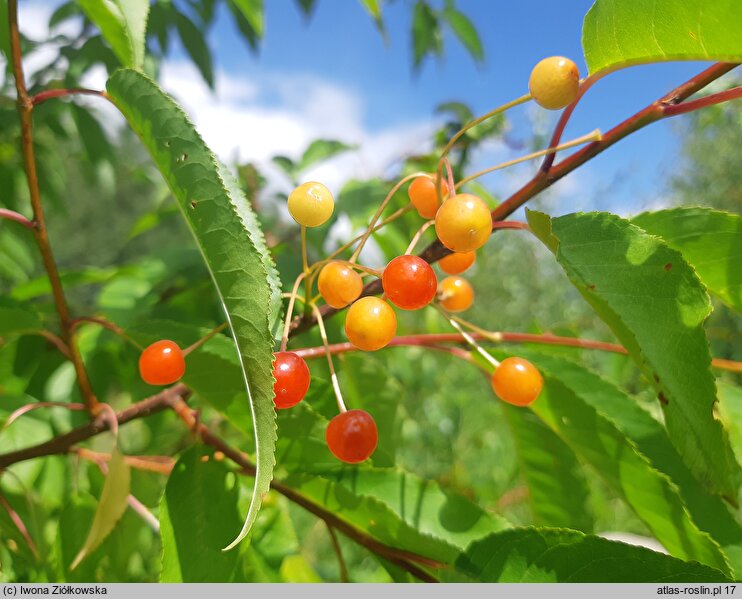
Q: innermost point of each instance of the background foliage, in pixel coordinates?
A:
(456, 474)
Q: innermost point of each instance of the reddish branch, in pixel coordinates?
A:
(667, 106)
(25, 108)
(61, 93)
(434, 341)
(16, 217)
(63, 443)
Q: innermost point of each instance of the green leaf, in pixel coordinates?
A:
(708, 511)
(557, 490)
(711, 242)
(196, 46)
(248, 15)
(307, 6)
(621, 33)
(319, 150)
(560, 555)
(652, 496)
(94, 140)
(4, 31)
(198, 516)
(656, 306)
(373, 7)
(110, 507)
(16, 319)
(123, 24)
(465, 31)
(426, 34)
(230, 240)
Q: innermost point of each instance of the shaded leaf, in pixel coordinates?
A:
(560, 555)
(708, 511)
(230, 241)
(248, 15)
(620, 33)
(656, 306)
(426, 34)
(711, 242)
(557, 490)
(111, 506)
(195, 45)
(198, 517)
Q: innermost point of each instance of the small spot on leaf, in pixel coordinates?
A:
(193, 203)
(663, 400)
(668, 266)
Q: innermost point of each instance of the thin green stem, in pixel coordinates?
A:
(467, 337)
(328, 353)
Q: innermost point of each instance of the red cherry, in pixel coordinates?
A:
(292, 379)
(162, 363)
(409, 282)
(352, 436)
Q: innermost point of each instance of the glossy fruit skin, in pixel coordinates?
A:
(370, 323)
(423, 196)
(455, 294)
(463, 223)
(292, 379)
(458, 262)
(311, 204)
(352, 436)
(339, 285)
(554, 82)
(409, 282)
(162, 363)
(517, 381)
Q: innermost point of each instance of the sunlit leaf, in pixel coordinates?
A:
(230, 240)
(620, 33)
(654, 303)
(123, 24)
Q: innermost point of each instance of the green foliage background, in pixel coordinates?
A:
(453, 467)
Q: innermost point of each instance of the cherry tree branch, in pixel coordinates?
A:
(25, 109)
(434, 341)
(664, 107)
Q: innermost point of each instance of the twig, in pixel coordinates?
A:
(435, 339)
(106, 324)
(61, 93)
(19, 525)
(17, 217)
(62, 443)
(652, 113)
(25, 108)
(404, 559)
(339, 553)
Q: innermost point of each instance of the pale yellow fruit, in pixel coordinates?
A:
(311, 204)
(554, 82)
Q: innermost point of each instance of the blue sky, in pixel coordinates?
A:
(334, 76)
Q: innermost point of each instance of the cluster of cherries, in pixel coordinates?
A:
(463, 224)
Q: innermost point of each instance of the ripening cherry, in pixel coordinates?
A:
(455, 294)
(458, 262)
(409, 282)
(463, 223)
(424, 197)
(311, 204)
(370, 323)
(162, 363)
(352, 436)
(517, 381)
(554, 82)
(339, 285)
(292, 379)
